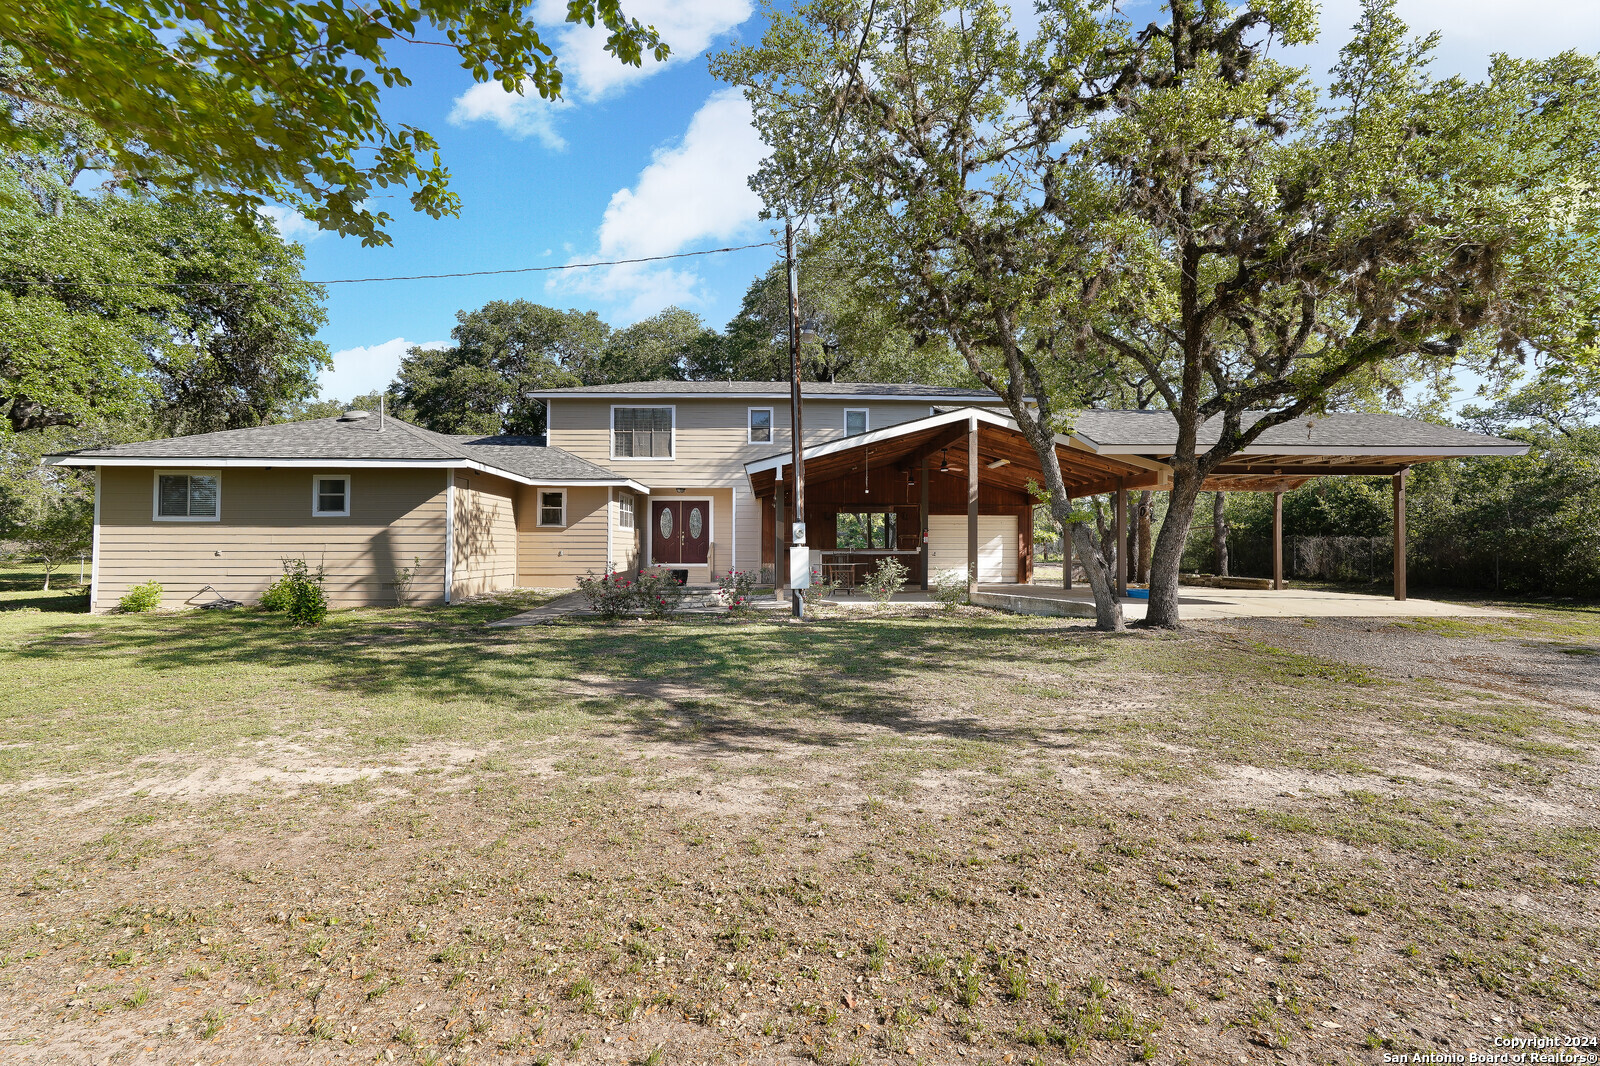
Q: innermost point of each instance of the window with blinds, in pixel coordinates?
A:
(641, 432)
(185, 497)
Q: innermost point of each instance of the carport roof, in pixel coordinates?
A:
(1006, 458)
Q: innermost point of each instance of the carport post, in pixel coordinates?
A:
(1400, 534)
(1121, 536)
(777, 542)
(1066, 551)
(1277, 540)
(922, 530)
(972, 504)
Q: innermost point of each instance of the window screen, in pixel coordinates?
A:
(333, 495)
(760, 425)
(187, 496)
(855, 422)
(641, 432)
(552, 508)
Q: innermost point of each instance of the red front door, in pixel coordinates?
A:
(680, 532)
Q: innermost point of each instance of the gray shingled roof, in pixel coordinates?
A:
(772, 388)
(1155, 432)
(331, 439)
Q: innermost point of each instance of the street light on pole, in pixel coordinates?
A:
(797, 538)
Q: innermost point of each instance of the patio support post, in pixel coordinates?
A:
(1277, 540)
(1066, 551)
(1121, 536)
(777, 542)
(1400, 534)
(972, 504)
(922, 528)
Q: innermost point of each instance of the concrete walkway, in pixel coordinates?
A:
(1201, 603)
(571, 603)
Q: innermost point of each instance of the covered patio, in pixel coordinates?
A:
(952, 490)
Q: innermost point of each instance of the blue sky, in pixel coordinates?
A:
(652, 161)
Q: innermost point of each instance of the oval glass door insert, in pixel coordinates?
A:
(666, 521)
(696, 523)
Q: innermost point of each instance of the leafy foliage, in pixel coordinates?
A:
(886, 580)
(116, 308)
(141, 598)
(60, 530)
(264, 101)
(1175, 198)
(949, 588)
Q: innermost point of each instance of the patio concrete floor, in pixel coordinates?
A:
(1200, 603)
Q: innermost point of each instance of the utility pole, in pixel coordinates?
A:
(797, 537)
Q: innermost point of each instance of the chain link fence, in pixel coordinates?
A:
(1352, 560)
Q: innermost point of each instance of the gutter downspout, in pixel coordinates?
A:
(94, 546)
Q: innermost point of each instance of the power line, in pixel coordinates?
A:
(97, 282)
(562, 266)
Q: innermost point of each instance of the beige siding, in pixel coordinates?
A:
(746, 529)
(625, 549)
(710, 441)
(555, 557)
(485, 532)
(396, 516)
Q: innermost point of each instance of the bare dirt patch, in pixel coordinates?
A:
(1223, 845)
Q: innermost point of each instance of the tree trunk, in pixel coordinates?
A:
(1219, 532)
(1107, 611)
(47, 581)
(1168, 556)
(1142, 558)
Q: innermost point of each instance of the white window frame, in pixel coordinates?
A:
(611, 434)
(866, 420)
(316, 511)
(155, 501)
(538, 503)
(749, 427)
(631, 513)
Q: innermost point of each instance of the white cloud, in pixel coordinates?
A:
(687, 27)
(358, 371)
(518, 116)
(590, 72)
(698, 189)
(290, 224)
(692, 192)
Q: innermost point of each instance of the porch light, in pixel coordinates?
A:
(808, 331)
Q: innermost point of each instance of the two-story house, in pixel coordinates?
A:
(694, 476)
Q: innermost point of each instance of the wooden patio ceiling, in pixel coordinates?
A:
(1005, 460)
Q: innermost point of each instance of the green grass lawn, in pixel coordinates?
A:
(869, 837)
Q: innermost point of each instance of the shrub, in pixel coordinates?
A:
(949, 588)
(610, 595)
(888, 579)
(820, 588)
(403, 576)
(141, 598)
(659, 592)
(277, 596)
(302, 595)
(737, 588)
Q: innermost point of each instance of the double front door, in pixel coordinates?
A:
(680, 532)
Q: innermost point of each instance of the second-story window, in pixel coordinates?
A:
(855, 421)
(641, 432)
(760, 425)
